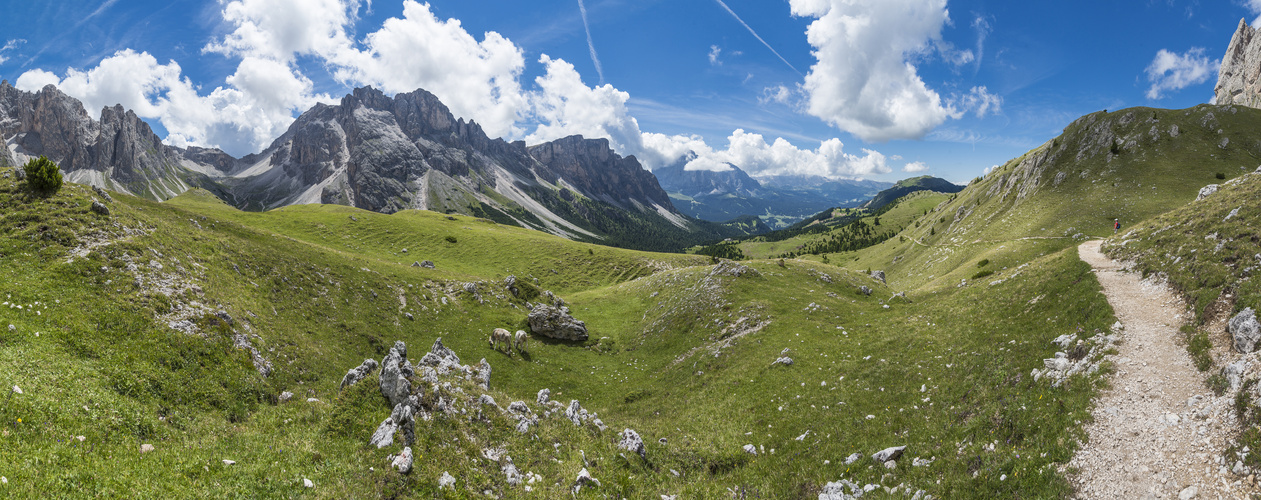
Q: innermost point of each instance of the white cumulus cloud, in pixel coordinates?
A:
(565, 106)
(282, 29)
(915, 166)
(863, 81)
(1171, 72)
(753, 154)
(255, 107)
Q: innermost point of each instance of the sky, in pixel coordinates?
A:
(859, 89)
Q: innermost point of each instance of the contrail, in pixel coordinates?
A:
(591, 45)
(755, 35)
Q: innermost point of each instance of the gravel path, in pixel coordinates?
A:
(1158, 431)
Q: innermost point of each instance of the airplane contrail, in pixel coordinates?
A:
(591, 45)
(755, 35)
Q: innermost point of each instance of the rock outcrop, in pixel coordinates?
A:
(402, 418)
(630, 441)
(1237, 79)
(358, 373)
(118, 152)
(556, 323)
(395, 372)
(1245, 330)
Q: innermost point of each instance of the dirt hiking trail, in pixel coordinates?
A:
(1158, 432)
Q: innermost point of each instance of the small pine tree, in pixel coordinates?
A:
(43, 175)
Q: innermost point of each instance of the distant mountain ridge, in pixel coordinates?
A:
(695, 183)
(908, 186)
(369, 151)
(779, 200)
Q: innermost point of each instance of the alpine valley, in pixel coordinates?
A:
(387, 303)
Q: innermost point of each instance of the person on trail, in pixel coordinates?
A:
(1116, 225)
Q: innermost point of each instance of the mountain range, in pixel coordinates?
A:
(780, 200)
(369, 151)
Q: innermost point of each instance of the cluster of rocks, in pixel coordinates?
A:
(426, 391)
(845, 489)
(1077, 357)
(849, 490)
(783, 358)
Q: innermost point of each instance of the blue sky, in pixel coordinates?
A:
(879, 89)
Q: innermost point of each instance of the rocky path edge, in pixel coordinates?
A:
(1158, 432)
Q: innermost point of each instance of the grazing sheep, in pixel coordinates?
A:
(501, 336)
(520, 341)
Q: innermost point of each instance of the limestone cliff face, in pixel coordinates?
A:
(118, 152)
(1237, 80)
(592, 167)
(408, 151)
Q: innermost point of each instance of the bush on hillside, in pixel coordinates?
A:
(43, 175)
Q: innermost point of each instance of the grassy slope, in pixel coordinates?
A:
(322, 291)
(1020, 210)
(903, 214)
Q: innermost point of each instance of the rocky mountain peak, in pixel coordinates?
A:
(1237, 80)
(676, 178)
(594, 169)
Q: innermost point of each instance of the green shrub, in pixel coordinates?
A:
(983, 263)
(450, 239)
(43, 175)
(982, 274)
(1219, 175)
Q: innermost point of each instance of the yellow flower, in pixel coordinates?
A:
(19, 420)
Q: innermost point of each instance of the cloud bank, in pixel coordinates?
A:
(479, 77)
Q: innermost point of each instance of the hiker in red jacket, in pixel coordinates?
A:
(1116, 225)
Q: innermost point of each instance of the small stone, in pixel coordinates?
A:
(229, 462)
(1188, 493)
(585, 479)
(446, 481)
(403, 462)
(146, 448)
(887, 454)
(81, 438)
(100, 208)
(750, 449)
(17, 389)
(307, 483)
(631, 441)
(853, 458)
(312, 400)
(285, 397)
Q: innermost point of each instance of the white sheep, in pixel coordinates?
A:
(501, 336)
(520, 341)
